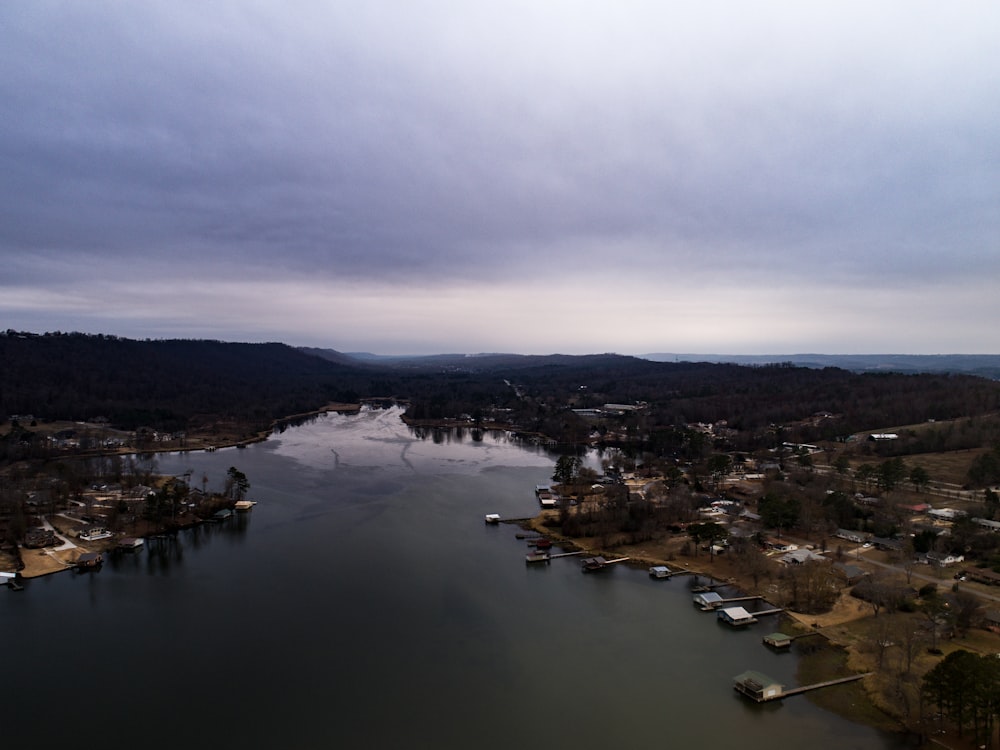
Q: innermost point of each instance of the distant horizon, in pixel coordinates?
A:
(456, 352)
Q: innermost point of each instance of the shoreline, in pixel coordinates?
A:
(819, 664)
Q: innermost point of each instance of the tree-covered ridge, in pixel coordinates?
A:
(175, 384)
(164, 383)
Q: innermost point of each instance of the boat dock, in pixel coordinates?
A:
(762, 612)
(760, 688)
(828, 683)
(709, 600)
(780, 640)
(592, 564)
(539, 556)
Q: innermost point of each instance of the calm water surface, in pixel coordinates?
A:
(365, 601)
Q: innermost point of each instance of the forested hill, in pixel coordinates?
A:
(181, 384)
(163, 383)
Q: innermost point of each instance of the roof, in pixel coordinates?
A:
(755, 679)
(735, 613)
(708, 596)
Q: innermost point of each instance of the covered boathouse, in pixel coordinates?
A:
(736, 616)
(758, 686)
(707, 600)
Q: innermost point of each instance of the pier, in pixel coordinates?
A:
(828, 683)
(540, 556)
(762, 612)
(592, 564)
(760, 688)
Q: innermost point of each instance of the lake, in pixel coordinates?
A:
(365, 601)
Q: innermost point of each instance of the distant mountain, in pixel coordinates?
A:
(475, 363)
(332, 355)
(983, 365)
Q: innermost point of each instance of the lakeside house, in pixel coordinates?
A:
(89, 560)
(95, 533)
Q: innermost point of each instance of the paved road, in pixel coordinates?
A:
(944, 579)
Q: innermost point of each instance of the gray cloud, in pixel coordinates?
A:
(440, 146)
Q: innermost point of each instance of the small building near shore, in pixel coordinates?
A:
(778, 640)
(736, 616)
(708, 599)
(758, 686)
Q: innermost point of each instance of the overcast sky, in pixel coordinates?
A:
(534, 177)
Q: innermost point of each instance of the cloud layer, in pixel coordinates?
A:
(535, 177)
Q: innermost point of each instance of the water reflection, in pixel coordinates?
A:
(363, 602)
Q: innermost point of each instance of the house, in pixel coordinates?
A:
(887, 545)
(991, 619)
(779, 546)
(89, 560)
(799, 556)
(758, 686)
(37, 538)
(851, 536)
(850, 573)
(946, 514)
(736, 616)
(94, 533)
(987, 523)
(941, 559)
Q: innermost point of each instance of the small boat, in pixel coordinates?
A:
(131, 543)
(244, 506)
(541, 543)
(537, 557)
(492, 518)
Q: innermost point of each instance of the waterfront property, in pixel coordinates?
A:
(94, 533)
(89, 561)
